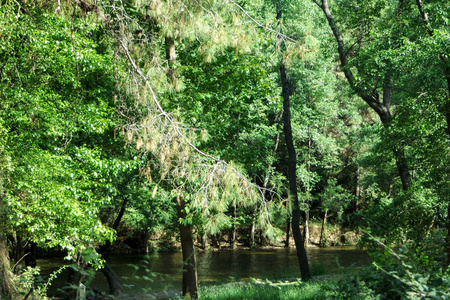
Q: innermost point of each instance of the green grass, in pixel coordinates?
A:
(269, 291)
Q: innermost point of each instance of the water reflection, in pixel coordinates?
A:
(163, 270)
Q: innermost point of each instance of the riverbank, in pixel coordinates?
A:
(160, 273)
(291, 288)
(332, 235)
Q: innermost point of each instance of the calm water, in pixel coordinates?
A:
(164, 269)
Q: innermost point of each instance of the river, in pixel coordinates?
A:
(162, 271)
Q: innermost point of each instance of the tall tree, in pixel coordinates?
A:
(201, 184)
(292, 168)
(189, 282)
(369, 94)
(443, 64)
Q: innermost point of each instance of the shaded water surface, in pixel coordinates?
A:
(163, 270)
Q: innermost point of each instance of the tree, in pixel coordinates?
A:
(334, 199)
(292, 169)
(433, 30)
(57, 103)
(200, 183)
(369, 94)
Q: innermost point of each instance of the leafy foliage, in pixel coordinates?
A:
(402, 272)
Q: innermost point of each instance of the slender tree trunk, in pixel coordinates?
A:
(115, 287)
(357, 188)
(288, 233)
(292, 167)
(263, 241)
(214, 241)
(447, 117)
(171, 59)
(322, 230)
(233, 230)
(189, 287)
(299, 244)
(120, 215)
(402, 167)
(187, 246)
(307, 235)
(251, 238)
(30, 259)
(204, 241)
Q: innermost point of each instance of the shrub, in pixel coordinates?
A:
(398, 272)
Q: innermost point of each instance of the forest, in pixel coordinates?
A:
(157, 125)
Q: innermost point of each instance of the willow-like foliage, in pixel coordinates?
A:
(139, 31)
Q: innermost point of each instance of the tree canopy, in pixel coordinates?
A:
(168, 115)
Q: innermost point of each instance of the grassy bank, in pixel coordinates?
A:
(269, 291)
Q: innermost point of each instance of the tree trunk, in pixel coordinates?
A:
(251, 238)
(307, 236)
(402, 167)
(263, 241)
(187, 247)
(204, 241)
(447, 115)
(115, 287)
(322, 230)
(299, 244)
(72, 281)
(214, 241)
(18, 253)
(233, 230)
(357, 188)
(30, 259)
(171, 59)
(292, 167)
(288, 233)
(6, 275)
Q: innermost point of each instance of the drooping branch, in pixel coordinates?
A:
(170, 124)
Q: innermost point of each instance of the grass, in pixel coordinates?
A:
(269, 291)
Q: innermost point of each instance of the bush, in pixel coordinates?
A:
(398, 272)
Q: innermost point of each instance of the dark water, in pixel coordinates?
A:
(163, 270)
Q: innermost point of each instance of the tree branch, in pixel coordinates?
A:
(424, 17)
(263, 26)
(371, 99)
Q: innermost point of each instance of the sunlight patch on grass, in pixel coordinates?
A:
(244, 291)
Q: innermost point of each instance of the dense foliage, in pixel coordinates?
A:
(143, 121)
